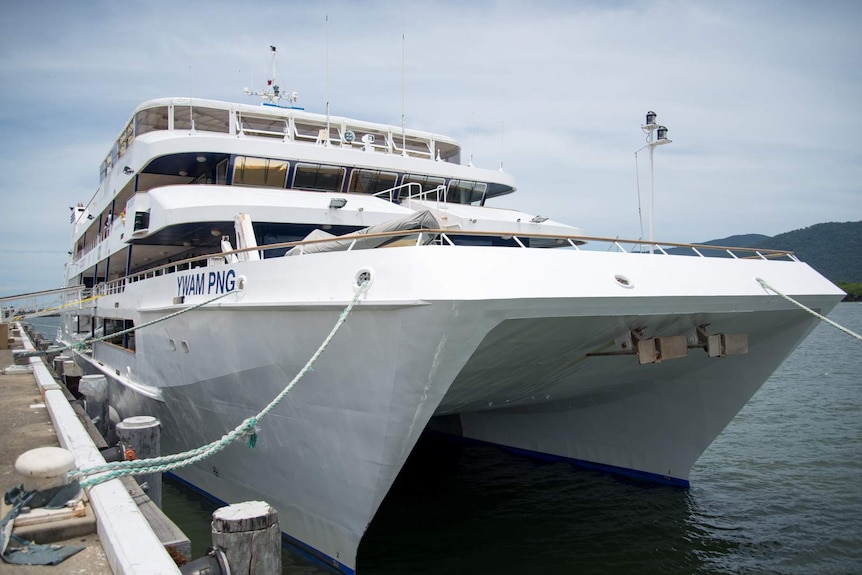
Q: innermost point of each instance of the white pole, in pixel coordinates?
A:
(651, 195)
(326, 32)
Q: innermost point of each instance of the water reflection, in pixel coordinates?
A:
(463, 508)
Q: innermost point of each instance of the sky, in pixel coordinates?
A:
(762, 101)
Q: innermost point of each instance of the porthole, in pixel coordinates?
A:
(623, 281)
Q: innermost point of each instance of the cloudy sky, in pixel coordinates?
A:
(763, 101)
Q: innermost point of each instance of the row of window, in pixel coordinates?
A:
(251, 171)
(218, 120)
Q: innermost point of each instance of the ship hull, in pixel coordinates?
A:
(512, 346)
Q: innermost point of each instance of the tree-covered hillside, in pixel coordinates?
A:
(834, 249)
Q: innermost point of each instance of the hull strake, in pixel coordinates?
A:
(328, 455)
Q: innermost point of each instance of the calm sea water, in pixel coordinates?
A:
(780, 491)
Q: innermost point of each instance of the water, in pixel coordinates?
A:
(780, 491)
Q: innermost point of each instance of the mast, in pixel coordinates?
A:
(272, 93)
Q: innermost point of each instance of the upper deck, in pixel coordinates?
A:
(176, 141)
(177, 144)
(276, 123)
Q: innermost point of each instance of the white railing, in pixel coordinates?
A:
(41, 303)
(394, 194)
(448, 237)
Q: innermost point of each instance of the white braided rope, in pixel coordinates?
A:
(766, 285)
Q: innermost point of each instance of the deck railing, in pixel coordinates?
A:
(394, 194)
(444, 237)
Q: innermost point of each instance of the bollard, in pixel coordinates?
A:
(4, 335)
(72, 373)
(95, 391)
(249, 535)
(142, 434)
(44, 467)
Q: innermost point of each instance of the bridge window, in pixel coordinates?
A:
(370, 181)
(151, 120)
(248, 171)
(205, 119)
(428, 183)
(262, 126)
(318, 177)
(126, 139)
(465, 192)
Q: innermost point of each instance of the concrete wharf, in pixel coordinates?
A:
(24, 425)
(36, 412)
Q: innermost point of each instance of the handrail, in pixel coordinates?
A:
(43, 293)
(41, 303)
(437, 190)
(118, 285)
(390, 191)
(418, 195)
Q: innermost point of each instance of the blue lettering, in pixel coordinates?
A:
(212, 282)
(199, 284)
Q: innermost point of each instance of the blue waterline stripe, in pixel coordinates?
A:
(304, 549)
(612, 469)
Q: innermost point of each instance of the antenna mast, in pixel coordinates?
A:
(502, 133)
(403, 82)
(661, 132)
(326, 33)
(272, 93)
(191, 116)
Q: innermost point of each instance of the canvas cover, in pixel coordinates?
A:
(423, 220)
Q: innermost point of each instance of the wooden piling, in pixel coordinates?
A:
(95, 391)
(142, 434)
(58, 362)
(72, 373)
(250, 537)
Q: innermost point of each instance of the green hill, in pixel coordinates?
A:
(834, 249)
(742, 241)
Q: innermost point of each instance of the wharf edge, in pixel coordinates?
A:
(128, 544)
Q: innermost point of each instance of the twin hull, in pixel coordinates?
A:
(494, 339)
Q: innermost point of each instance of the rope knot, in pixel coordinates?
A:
(250, 430)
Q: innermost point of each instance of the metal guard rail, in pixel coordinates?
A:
(118, 285)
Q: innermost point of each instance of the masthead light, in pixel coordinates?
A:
(650, 118)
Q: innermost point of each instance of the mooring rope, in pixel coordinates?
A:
(245, 429)
(766, 285)
(79, 345)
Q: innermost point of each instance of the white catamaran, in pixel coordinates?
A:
(486, 323)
